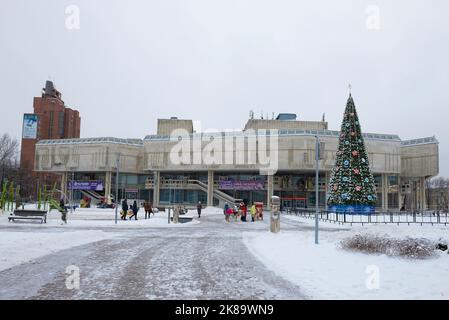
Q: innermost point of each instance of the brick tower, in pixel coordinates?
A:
(54, 121)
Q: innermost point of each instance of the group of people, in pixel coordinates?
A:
(132, 210)
(241, 212)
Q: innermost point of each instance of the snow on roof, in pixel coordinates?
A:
(135, 142)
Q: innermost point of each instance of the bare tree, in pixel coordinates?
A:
(439, 182)
(9, 150)
(437, 193)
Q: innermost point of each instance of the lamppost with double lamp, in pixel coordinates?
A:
(71, 184)
(319, 155)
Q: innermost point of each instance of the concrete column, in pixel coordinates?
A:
(270, 190)
(399, 193)
(327, 179)
(64, 185)
(156, 188)
(387, 187)
(415, 192)
(423, 193)
(108, 184)
(210, 188)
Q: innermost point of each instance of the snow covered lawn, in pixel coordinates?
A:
(328, 272)
(21, 247)
(98, 218)
(24, 241)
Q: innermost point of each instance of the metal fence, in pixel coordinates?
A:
(390, 217)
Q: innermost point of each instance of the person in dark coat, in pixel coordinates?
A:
(63, 211)
(135, 209)
(148, 209)
(198, 208)
(125, 209)
(62, 204)
(244, 210)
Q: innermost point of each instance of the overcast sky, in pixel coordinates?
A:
(131, 62)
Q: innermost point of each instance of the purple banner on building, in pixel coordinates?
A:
(86, 185)
(241, 185)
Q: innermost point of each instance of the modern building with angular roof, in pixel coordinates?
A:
(268, 157)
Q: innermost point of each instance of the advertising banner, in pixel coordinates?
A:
(240, 185)
(29, 130)
(86, 185)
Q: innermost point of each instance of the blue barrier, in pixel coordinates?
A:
(353, 209)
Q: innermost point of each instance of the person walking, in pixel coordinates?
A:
(135, 209)
(62, 204)
(63, 211)
(198, 208)
(124, 209)
(148, 209)
(244, 210)
(253, 212)
(225, 211)
(229, 211)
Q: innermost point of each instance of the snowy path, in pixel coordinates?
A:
(203, 261)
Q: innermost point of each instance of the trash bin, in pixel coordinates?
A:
(275, 220)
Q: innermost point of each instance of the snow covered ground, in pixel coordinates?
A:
(24, 240)
(205, 260)
(199, 255)
(329, 272)
(20, 247)
(98, 218)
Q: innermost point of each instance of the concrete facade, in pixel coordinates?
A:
(256, 124)
(166, 126)
(401, 167)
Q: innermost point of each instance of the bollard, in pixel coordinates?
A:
(168, 215)
(275, 220)
(176, 210)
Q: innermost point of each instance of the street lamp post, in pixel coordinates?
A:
(317, 158)
(71, 192)
(170, 199)
(117, 164)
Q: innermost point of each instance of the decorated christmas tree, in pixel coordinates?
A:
(351, 187)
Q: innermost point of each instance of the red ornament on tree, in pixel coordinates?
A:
(355, 153)
(356, 171)
(358, 188)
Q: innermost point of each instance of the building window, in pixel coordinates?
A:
(393, 184)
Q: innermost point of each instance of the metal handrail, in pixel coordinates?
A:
(380, 217)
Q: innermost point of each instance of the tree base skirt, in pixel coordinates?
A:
(352, 209)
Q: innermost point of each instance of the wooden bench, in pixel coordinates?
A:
(183, 219)
(28, 215)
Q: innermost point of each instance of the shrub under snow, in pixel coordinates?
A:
(414, 248)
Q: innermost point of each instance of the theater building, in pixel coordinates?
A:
(267, 157)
